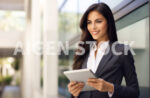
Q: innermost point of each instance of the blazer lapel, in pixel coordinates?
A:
(103, 61)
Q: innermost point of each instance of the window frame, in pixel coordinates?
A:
(126, 7)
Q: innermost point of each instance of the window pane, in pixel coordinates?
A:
(112, 3)
(11, 21)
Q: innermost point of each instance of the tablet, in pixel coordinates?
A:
(81, 75)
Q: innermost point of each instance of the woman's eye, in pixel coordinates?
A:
(88, 22)
(98, 21)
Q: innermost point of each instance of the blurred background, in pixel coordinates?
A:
(26, 69)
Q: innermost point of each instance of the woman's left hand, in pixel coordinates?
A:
(101, 85)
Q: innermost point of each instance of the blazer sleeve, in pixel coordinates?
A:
(132, 87)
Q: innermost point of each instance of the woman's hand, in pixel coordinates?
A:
(101, 85)
(75, 88)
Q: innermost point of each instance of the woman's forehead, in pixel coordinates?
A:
(95, 15)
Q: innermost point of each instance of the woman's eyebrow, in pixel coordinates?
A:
(88, 20)
(99, 19)
(96, 19)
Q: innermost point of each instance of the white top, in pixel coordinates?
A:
(93, 61)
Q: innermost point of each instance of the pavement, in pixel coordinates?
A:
(11, 92)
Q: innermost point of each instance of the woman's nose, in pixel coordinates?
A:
(93, 26)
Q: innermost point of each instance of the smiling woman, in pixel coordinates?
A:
(97, 24)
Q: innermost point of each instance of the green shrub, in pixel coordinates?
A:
(1, 80)
(15, 64)
(7, 80)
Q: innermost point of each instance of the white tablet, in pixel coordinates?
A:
(81, 75)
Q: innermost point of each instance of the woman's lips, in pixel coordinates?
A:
(94, 33)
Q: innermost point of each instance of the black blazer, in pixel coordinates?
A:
(113, 68)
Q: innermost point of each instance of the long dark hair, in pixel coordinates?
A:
(86, 36)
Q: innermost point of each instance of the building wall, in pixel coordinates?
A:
(142, 54)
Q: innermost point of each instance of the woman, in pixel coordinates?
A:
(107, 59)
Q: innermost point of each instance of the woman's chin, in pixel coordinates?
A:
(95, 38)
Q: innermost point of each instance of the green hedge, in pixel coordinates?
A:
(6, 80)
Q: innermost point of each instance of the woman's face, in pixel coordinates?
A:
(97, 26)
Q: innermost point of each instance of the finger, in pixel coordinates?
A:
(95, 85)
(98, 86)
(81, 83)
(72, 84)
(76, 86)
(100, 80)
(77, 90)
(92, 80)
(91, 83)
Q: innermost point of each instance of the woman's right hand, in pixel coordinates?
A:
(75, 88)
